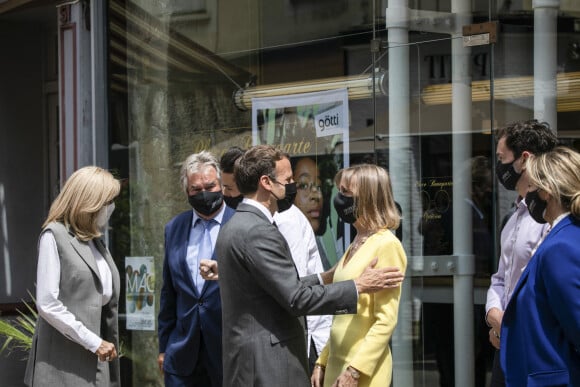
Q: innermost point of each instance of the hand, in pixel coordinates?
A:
(160, 360)
(317, 378)
(345, 379)
(494, 338)
(106, 351)
(208, 269)
(328, 276)
(373, 280)
(493, 318)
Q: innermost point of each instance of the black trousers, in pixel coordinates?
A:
(497, 377)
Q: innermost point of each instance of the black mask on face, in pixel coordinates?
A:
(286, 202)
(233, 201)
(507, 175)
(345, 208)
(536, 206)
(206, 202)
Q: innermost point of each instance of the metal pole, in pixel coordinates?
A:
(397, 19)
(545, 60)
(462, 235)
(99, 119)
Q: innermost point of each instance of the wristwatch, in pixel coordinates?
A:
(353, 372)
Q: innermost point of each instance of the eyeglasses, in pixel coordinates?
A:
(309, 186)
(276, 181)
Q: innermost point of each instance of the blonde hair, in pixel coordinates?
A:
(373, 196)
(85, 192)
(557, 172)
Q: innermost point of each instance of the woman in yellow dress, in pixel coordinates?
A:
(358, 353)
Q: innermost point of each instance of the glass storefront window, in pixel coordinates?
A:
(419, 103)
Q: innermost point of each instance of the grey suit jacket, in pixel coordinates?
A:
(262, 299)
(55, 360)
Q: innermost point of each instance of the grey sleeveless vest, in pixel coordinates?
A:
(54, 359)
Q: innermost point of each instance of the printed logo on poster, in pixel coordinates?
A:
(330, 122)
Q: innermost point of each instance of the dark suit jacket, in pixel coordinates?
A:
(185, 314)
(262, 297)
(540, 335)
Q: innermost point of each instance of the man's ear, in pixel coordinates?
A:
(265, 183)
(526, 155)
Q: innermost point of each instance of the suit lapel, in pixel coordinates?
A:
(84, 251)
(249, 208)
(181, 240)
(112, 266)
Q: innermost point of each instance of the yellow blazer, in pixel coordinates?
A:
(362, 340)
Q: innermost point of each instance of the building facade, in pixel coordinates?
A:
(137, 86)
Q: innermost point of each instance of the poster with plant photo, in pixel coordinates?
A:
(313, 128)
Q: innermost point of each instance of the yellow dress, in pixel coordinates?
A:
(362, 340)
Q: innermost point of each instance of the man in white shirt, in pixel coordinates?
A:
(297, 231)
(521, 234)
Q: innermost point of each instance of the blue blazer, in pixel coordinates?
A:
(540, 335)
(184, 314)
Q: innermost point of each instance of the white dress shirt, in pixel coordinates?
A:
(47, 292)
(519, 239)
(297, 231)
(195, 239)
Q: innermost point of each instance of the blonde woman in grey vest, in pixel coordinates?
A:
(77, 288)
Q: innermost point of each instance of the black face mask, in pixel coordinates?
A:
(233, 201)
(206, 202)
(536, 206)
(286, 202)
(345, 208)
(507, 175)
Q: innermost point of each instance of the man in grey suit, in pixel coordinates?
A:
(263, 298)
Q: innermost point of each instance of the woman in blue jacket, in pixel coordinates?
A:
(540, 336)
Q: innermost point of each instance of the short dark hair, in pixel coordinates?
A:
(228, 159)
(532, 136)
(258, 161)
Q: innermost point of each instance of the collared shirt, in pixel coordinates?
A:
(519, 238)
(298, 232)
(195, 239)
(260, 207)
(47, 292)
(559, 218)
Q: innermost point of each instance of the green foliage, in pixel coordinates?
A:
(18, 332)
